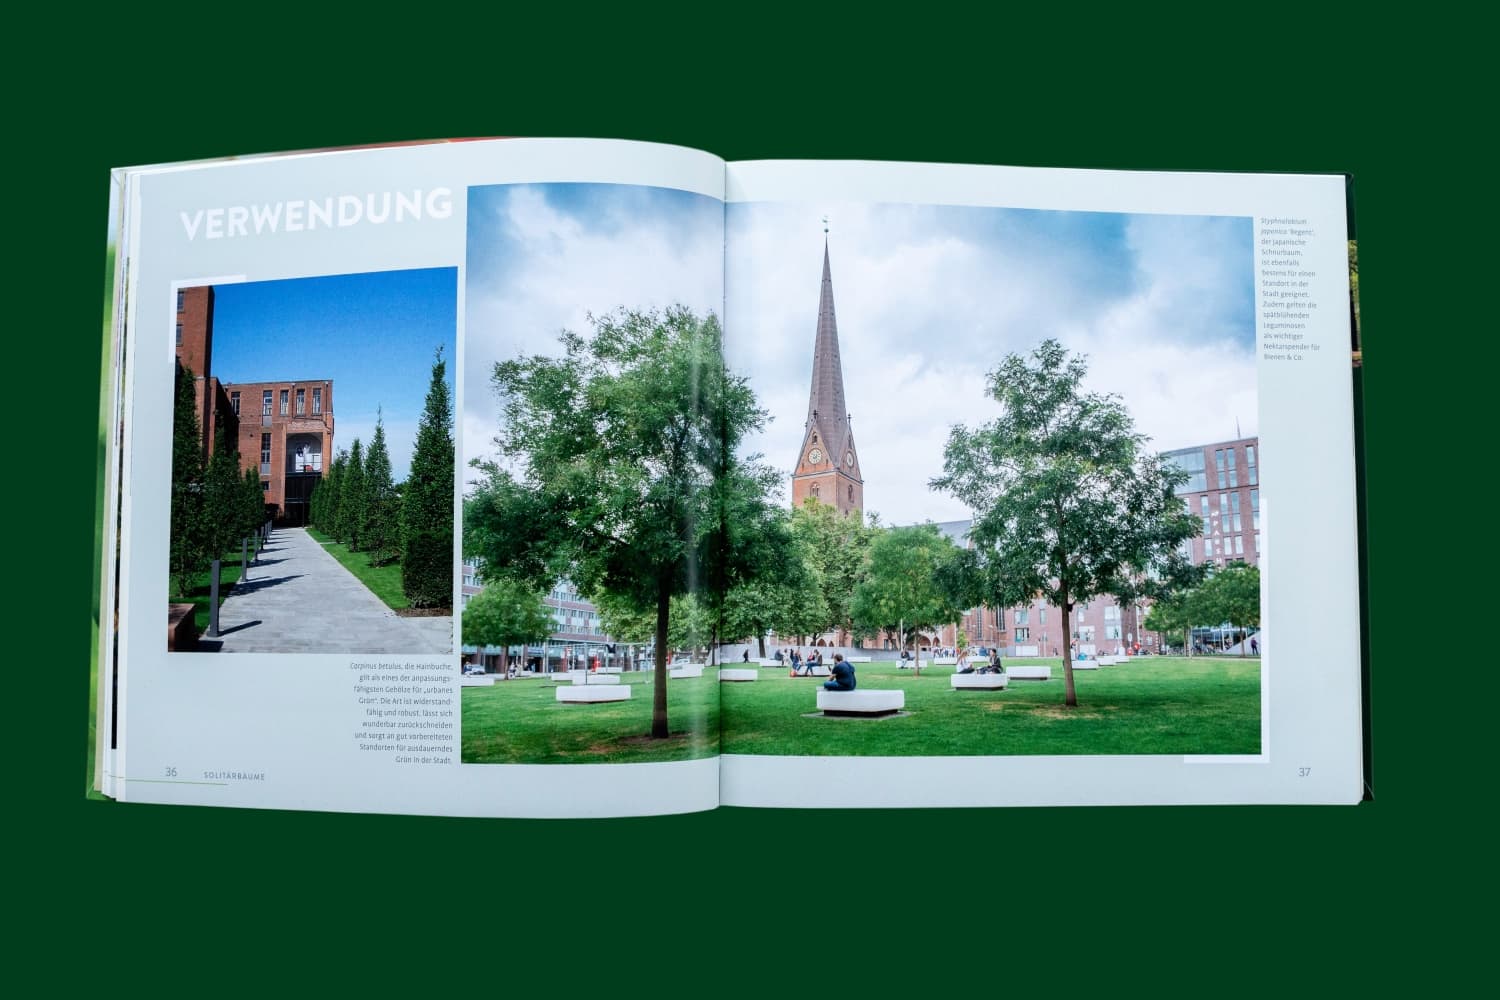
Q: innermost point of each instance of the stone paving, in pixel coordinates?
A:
(300, 600)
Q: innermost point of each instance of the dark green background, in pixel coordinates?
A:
(1202, 899)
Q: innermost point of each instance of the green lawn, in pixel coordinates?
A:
(520, 721)
(1156, 705)
(383, 581)
(229, 573)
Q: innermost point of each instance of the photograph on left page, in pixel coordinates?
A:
(312, 465)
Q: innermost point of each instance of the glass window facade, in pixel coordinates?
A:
(1190, 462)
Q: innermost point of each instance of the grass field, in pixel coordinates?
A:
(1156, 705)
(383, 581)
(520, 721)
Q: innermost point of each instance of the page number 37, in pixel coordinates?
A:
(1303, 772)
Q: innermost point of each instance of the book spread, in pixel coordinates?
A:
(566, 477)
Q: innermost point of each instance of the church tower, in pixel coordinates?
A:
(828, 466)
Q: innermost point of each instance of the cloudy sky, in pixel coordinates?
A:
(541, 258)
(929, 298)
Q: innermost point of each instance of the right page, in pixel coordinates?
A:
(1068, 462)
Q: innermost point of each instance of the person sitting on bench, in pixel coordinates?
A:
(843, 675)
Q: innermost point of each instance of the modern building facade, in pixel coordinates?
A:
(283, 430)
(577, 639)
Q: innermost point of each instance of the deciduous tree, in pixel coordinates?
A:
(1068, 502)
(627, 441)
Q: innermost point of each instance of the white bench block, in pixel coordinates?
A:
(611, 670)
(986, 682)
(477, 681)
(1029, 673)
(882, 701)
(596, 679)
(768, 662)
(688, 670)
(593, 693)
(942, 661)
(1111, 661)
(739, 674)
(859, 659)
(1085, 664)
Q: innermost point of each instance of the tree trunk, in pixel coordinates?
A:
(1070, 694)
(760, 638)
(659, 729)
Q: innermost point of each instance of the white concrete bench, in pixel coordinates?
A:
(942, 661)
(1111, 661)
(884, 701)
(588, 693)
(477, 681)
(688, 670)
(983, 682)
(1027, 673)
(611, 670)
(597, 679)
(565, 676)
(816, 672)
(859, 659)
(1085, 664)
(768, 662)
(739, 674)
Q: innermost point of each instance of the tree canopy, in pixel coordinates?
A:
(621, 451)
(1068, 502)
(505, 613)
(901, 589)
(836, 546)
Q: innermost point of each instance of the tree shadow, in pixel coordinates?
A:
(254, 584)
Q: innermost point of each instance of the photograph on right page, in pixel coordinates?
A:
(1020, 474)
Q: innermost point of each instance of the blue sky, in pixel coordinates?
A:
(929, 298)
(373, 334)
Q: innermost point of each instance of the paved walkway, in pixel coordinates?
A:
(300, 600)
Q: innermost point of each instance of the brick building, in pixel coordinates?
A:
(828, 463)
(286, 434)
(283, 430)
(1223, 488)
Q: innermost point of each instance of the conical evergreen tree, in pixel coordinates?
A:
(427, 502)
(223, 498)
(381, 515)
(352, 498)
(187, 484)
(333, 495)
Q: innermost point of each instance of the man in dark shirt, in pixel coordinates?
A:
(843, 675)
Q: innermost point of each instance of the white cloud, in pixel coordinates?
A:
(929, 300)
(554, 269)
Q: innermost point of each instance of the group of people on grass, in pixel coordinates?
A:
(806, 666)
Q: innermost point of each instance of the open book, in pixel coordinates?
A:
(545, 477)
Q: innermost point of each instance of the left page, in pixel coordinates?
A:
(320, 369)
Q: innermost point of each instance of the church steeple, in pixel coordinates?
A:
(828, 467)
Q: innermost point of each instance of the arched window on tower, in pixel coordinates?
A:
(815, 489)
(851, 494)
